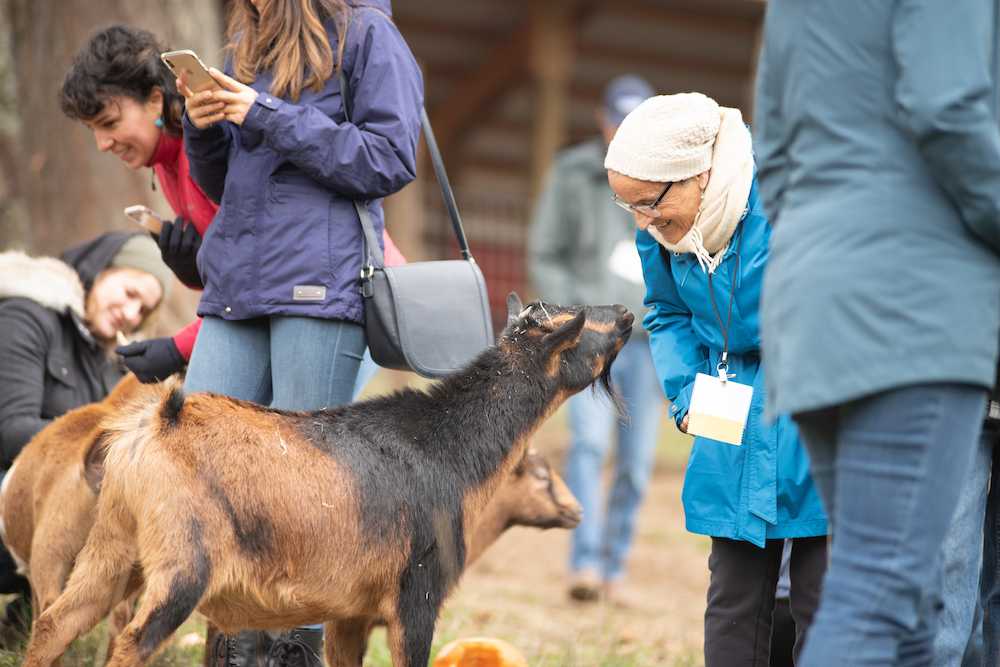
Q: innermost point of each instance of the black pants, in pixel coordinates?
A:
(782, 634)
(741, 597)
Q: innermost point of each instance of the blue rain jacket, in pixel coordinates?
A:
(287, 239)
(759, 490)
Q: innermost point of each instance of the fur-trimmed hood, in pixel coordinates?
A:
(45, 280)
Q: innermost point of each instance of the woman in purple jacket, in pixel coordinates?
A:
(281, 262)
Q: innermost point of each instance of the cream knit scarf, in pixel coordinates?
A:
(725, 199)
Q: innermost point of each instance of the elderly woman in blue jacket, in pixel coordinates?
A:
(684, 167)
(281, 261)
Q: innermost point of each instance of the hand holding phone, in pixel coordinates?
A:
(145, 218)
(186, 65)
(198, 87)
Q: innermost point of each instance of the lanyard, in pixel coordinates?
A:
(724, 361)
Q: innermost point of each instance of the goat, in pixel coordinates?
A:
(48, 500)
(48, 497)
(534, 495)
(262, 518)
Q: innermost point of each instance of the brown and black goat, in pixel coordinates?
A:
(533, 495)
(261, 518)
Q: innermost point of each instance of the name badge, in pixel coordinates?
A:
(718, 409)
(625, 263)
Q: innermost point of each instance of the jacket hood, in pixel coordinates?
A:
(92, 257)
(45, 280)
(384, 6)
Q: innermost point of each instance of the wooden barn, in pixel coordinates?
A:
(510, 83)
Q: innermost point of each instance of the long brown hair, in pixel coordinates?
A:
(287, 38)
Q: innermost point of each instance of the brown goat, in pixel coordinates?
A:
(49, 494)
(269, 519)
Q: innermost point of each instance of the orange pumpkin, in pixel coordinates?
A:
(479, 652)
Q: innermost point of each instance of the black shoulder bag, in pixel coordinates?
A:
(429, 317)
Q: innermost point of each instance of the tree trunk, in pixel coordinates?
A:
(56, 188)
(68, 191)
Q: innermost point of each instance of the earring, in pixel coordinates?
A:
(158, 122)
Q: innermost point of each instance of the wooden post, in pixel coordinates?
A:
(551, 61)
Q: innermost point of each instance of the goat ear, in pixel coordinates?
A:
(514, 307)
(93, 462)
(567, 334)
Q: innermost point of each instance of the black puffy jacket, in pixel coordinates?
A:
(49, 362)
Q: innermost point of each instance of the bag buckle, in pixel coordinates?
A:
(367, 289)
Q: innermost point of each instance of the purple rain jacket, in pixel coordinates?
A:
(286, 239)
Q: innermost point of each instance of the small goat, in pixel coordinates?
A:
(262, 518)
(48, 496)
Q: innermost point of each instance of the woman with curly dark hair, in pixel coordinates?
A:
(120, 89)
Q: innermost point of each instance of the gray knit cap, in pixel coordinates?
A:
(141, 252)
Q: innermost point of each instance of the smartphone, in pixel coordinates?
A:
(145, 218)
(188, 63)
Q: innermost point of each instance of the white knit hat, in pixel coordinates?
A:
(667, 138)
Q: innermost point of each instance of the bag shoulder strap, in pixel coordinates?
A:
(374, 257)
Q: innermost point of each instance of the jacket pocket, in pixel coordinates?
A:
(60, 386)
(293, 240)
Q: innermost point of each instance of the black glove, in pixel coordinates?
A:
(152, 360)
(179, 243)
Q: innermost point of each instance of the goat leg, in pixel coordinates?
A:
(170, 597)
(410, 637)
(98, 583)
(347, 641)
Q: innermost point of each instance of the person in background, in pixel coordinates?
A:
(60, 320)
(879, 154)
(581, 251)
(684, 167)
(282, 310)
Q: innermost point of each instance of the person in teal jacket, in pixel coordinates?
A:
(684, 167)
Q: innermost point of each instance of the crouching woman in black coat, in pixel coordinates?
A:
(60, 320)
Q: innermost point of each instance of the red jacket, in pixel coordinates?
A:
(170, 163)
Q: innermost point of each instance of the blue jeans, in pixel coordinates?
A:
(889, 468)
(602, 540)
(292, 363)
(959, 639)
(366, 372)
(990, 584)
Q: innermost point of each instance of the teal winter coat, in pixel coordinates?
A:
(759, 490)
(878, 154)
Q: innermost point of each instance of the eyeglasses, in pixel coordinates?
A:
(648, 210)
